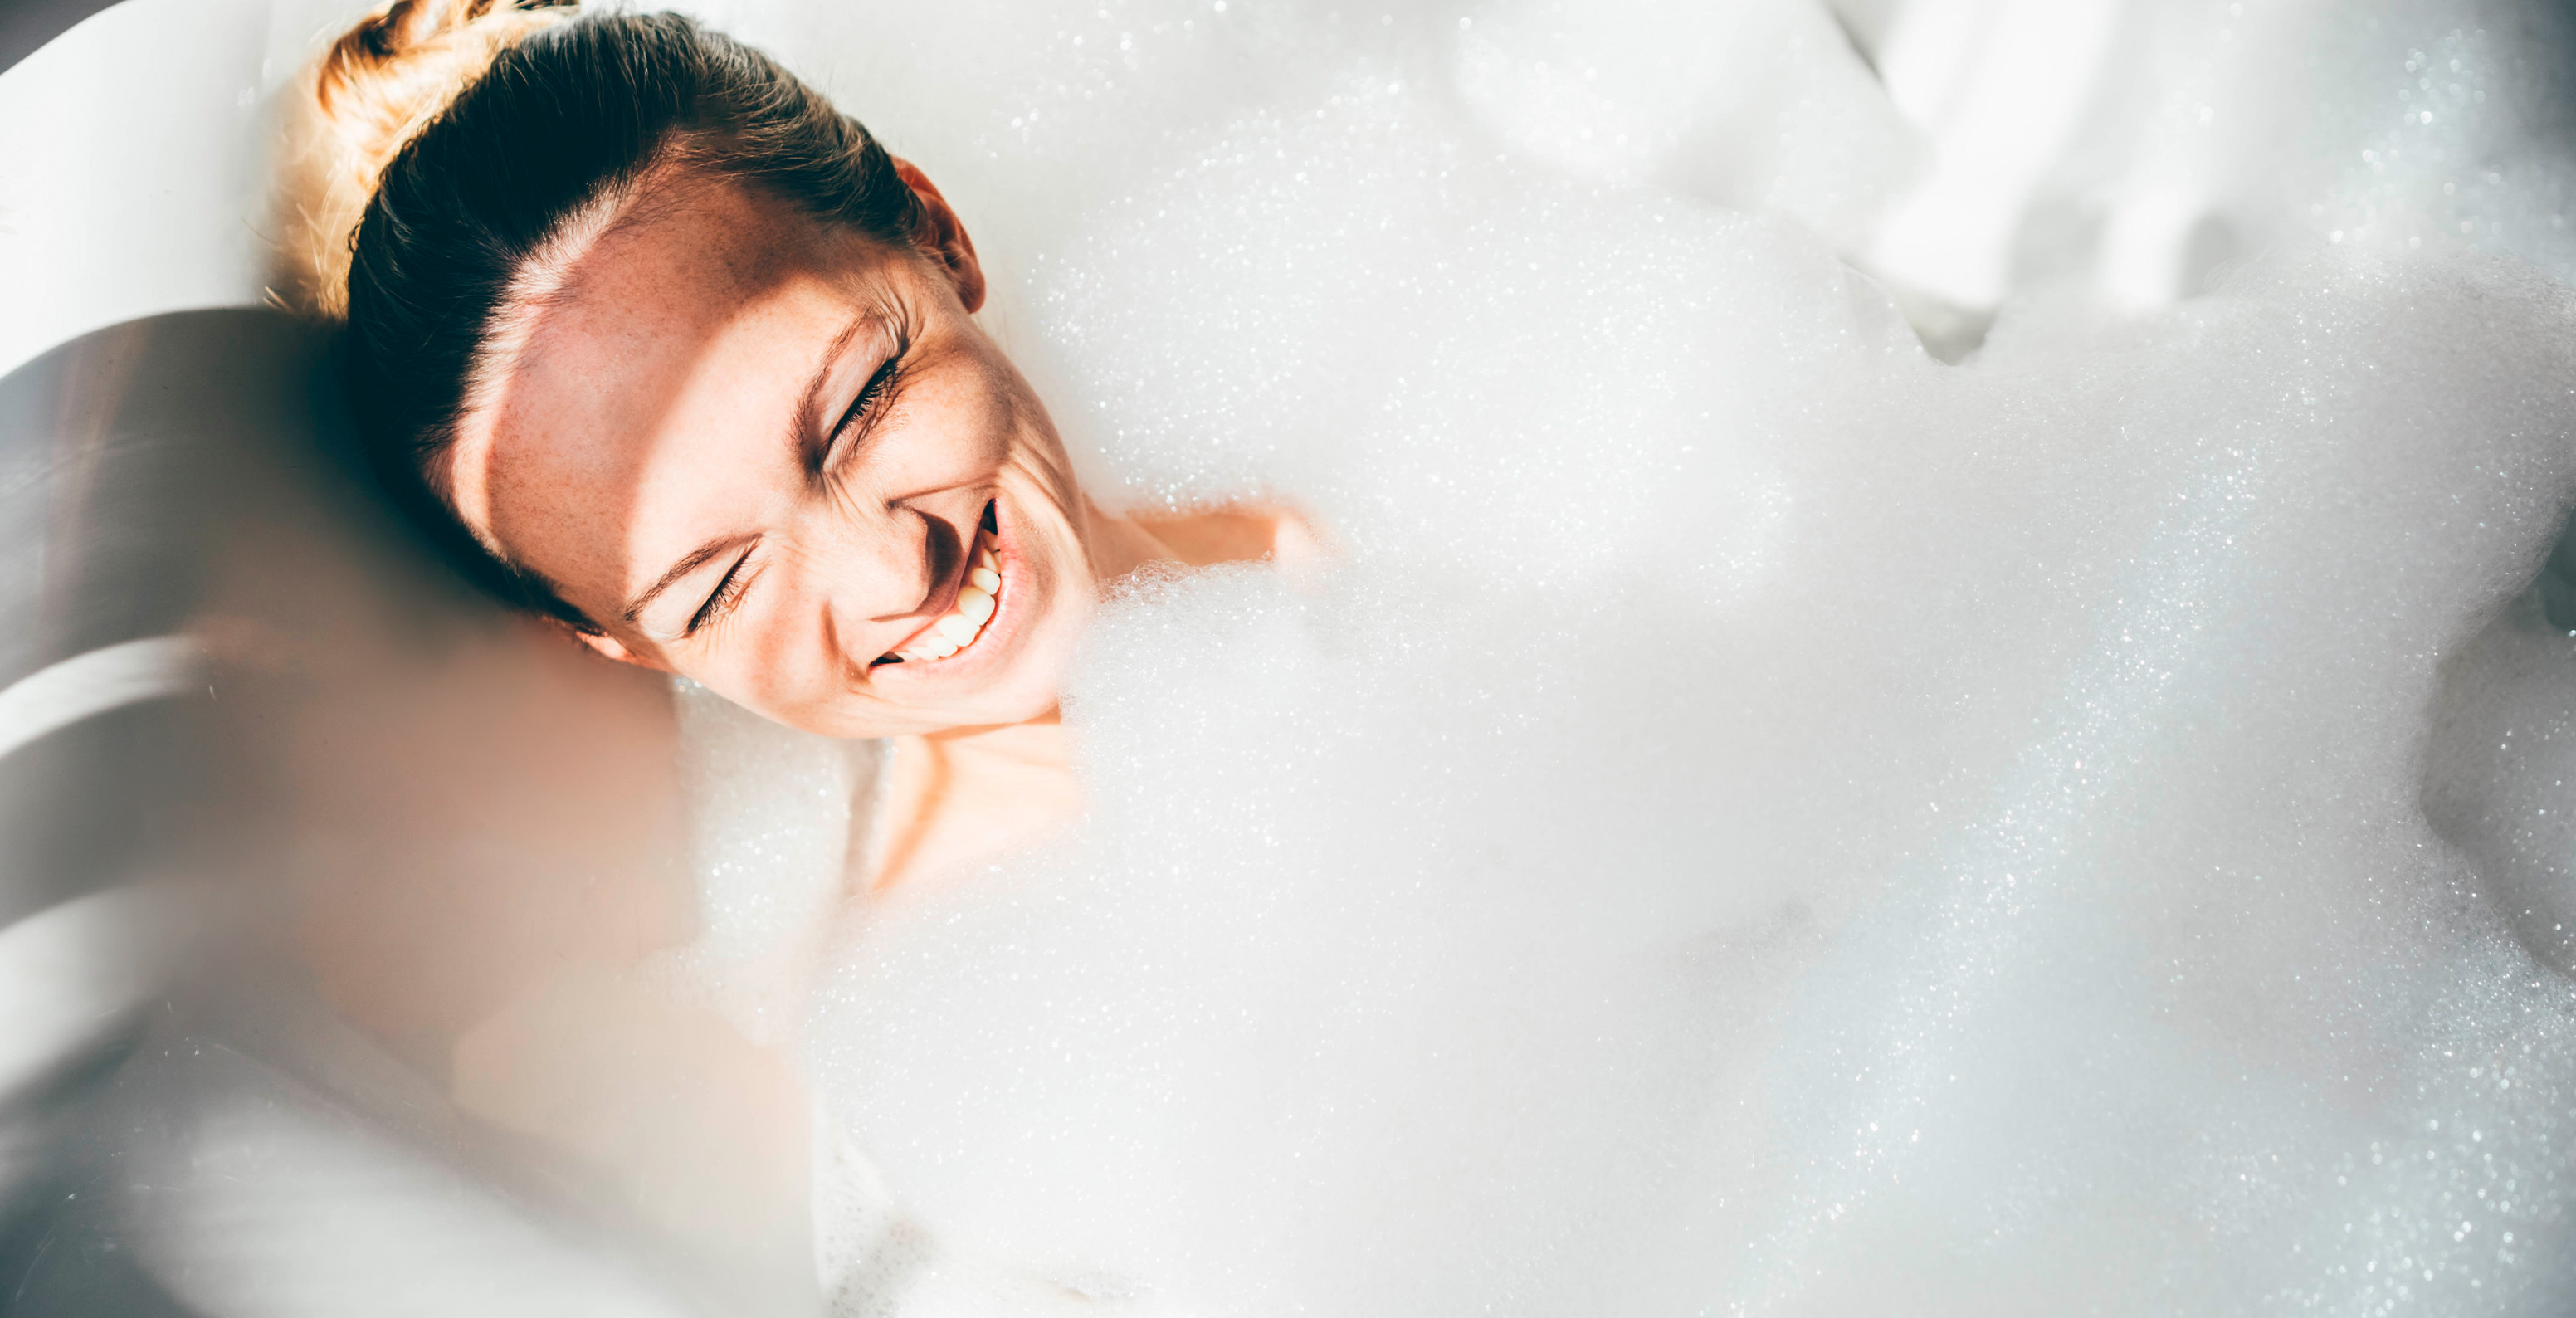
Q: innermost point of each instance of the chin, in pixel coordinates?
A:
(1000, 657)
(1030, 681)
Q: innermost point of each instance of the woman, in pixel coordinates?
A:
(650, 341)
(1751, 796)
(694, 372)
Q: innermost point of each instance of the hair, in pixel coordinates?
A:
(460, 152)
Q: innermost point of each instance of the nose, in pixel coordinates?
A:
(881, 576)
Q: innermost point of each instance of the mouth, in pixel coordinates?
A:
(978, 602)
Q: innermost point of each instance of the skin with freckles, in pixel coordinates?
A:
(773, 457)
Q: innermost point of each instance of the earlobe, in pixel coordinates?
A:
(943, 235)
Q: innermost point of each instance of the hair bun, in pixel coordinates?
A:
(369, 93)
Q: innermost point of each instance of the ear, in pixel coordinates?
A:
(610, 647)
(942, 235)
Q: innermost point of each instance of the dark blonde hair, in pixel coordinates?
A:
(472, 143)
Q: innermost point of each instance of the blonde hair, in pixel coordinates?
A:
(355, 108)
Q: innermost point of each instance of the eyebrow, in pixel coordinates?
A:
(800, 425)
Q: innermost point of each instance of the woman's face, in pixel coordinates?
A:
(786, 462)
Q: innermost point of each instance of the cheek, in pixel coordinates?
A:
(957, 423)
(774, 688)
(771, 658)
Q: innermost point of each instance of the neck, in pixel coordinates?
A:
(961, 797)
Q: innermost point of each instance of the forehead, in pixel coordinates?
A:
(684, 330)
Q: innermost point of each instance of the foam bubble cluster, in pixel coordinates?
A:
(1756, 819)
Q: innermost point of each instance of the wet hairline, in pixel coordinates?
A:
(550, 278)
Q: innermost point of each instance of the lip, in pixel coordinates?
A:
(998, 629)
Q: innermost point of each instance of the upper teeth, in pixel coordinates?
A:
(974, 608)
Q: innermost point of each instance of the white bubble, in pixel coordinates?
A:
(1760, 820)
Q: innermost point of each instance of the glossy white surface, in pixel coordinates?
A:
(133, 161)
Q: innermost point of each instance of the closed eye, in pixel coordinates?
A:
(724, 597)
(864, 409)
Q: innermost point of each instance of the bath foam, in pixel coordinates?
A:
(1569, 83)
(1758, 821)
(769, 841)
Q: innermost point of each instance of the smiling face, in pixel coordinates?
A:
(786, 462)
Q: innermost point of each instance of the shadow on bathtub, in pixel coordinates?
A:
(283, 814)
